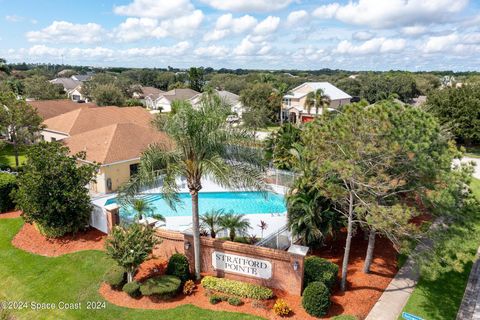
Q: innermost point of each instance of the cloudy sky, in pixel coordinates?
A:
(267, 34)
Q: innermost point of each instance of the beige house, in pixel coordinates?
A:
(294, 102)
(110, 136)
(163, 101)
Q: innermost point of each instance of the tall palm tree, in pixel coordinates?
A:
(233, 223)
(317, 99)
(211, 220)
(203, 145)
(281, 89)
(144, 209)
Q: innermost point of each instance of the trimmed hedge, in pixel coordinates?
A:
(319, 269)
(238, 288)
(163, 286)
(316, 299)
(178, 266)
(8, 183)
(115, 277)
(132, 289)
(234, 301)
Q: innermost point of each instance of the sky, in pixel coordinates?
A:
(411, 35)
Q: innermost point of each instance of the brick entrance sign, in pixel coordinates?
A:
(268, 267)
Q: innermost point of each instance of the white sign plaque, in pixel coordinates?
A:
(242, 265)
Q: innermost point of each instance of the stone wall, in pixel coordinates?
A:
(287, 268)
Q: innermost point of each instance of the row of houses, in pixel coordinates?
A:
(115, 137)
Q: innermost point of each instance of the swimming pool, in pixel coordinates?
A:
(253, 202)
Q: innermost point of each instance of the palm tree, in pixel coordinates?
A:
(211, 220)
(143, 209)
(202, 145)
(263, 226)
(317, 99)
(233, 223)
(281, 90)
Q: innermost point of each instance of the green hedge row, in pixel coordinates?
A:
(238, 288)
(319, 269)
(8, 182)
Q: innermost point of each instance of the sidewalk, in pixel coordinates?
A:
(395, 296)
(470, 307)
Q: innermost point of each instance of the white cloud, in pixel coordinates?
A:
(248, 5)
(227, 24)
(326, 11)
(372, 46)
(441, 43)
(212, 51)
(392, 13)
(248, 47)
(267, 26)
(155, 8)
(362, 35)
(139, 28)
(296, 16)
(14, 18)
(67, 32)
(98, 53)
(415, 30)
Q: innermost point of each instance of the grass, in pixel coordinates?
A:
(7, 157)
(441, 298)
(473, 152)
(72, 278)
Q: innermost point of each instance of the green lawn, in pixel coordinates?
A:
(473, 152)
(440, 299)
(7, 157)
(72, 278)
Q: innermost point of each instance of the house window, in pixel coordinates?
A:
(75, 97)
(133, 169)
(53, 139)
(287, 102)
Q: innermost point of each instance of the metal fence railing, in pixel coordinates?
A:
(280, 177)
(280, 240)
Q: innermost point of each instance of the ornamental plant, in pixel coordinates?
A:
(51, 189)
(238, 288)
(130, 246)
(319, 269)
(163, 286)
(178, 266)
(281, 308)
(316, 299)
(188, 287)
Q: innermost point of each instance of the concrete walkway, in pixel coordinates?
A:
(395, 296)
(470, 307)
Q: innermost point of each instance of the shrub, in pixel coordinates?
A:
(132, 289)
(345, 317)
(238, 288)
(319, 269)
(316, 299)
(178, 266)
(259, 305)
(214, 299)
(163, 286)
(8, 183)
(281, 308)
(115, 277)
(234, 301)
(188, 287)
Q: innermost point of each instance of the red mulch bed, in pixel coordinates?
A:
(362, 293)
(151, 268)
(10, 215)
(31, 240)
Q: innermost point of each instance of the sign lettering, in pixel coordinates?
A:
(242, 265)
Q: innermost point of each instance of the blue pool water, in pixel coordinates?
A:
(238, 202)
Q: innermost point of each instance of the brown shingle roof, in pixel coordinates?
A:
(116, 142)
(51, 108)
(179, 94)
(86, 119)
(151, 92)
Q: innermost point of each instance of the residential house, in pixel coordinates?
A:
(294, 109)
(111, 136)
(51, 108)
(229, 98)
(73, 86)
(163, 102)
(149, 94)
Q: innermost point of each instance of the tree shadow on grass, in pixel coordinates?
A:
(442, 297)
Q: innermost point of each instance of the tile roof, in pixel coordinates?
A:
(67, 83)
(151, 92)
(86, 119)
(116, 142)
(328, 89)
(51, 108)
